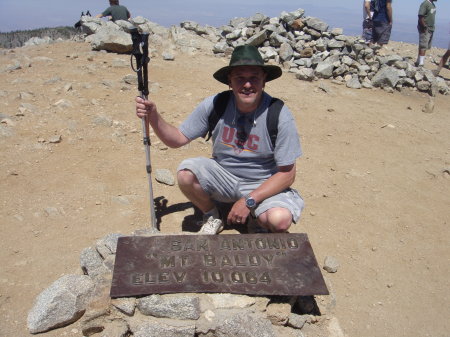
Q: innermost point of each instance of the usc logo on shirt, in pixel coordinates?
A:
(229, 138)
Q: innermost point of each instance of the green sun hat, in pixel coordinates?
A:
(247, 55)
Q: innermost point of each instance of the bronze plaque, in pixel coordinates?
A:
(253, 264)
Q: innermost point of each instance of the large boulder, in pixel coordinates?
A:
(386, 76)
(61, 304)
(112, 40)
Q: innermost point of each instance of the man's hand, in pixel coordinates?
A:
(238, 213)
(144, 108)
(422, 25)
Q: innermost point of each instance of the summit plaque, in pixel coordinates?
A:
(254, 264)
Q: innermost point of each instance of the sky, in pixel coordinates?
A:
(346, 14)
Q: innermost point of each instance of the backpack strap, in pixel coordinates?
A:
(220, 103)
(273, 115)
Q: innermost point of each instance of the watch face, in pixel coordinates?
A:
(250, 202)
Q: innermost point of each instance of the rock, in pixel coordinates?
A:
(307, 52)
(286, 52)
(90, 261)
(386, 76)
(297, 321)
(306, 74)
(278, 313)
(111, 40)
(187, 307)
(245, 325)
(61, 304)
(63, 104)
(423, 85)
(354, 83)
(168, 56)
(108, 244)
(125, 305)
(258, 39)
(316, 24)
(229, 301)
(164, 176)
(297, 24)
(55, 139)
(337, 31)
(288, 18)
(159, 329)
(324, 69)
(336, 44)
(331, 264)
(429, 106)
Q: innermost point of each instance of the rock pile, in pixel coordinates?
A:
(303, 45)
(214, 315)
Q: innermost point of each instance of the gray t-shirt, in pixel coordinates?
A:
(256, 159)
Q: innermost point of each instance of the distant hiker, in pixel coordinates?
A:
(246, 169)
(382, 21)
(425, 26)
(115, 11)
(367, 20)
(443, 61)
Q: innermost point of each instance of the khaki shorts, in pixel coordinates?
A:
(224, 187)
(425, 39)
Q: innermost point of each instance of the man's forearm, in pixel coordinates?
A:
(167, 133)
(277, 183)
(367, 8)
(389, 11)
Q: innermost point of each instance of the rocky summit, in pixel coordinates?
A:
(303, 45)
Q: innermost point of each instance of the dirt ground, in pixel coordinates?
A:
(374, 176)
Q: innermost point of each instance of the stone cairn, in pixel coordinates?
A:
(85, 297)
(304, 46)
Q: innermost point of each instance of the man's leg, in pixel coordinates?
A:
(190, 186)
(276, 220)
(442, 62)
(424, 43)
(278, 212)
(203, 181)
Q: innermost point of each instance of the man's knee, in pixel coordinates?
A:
(186, 178)
(277, 220)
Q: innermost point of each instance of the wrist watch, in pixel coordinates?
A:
(250, 202)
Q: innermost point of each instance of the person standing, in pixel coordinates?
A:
(115, 11)
(382, 21)
(425, 25)
(367, 20)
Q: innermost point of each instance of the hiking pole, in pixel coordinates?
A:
(140, 52)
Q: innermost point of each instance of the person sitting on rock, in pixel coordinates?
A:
(246, 169)
(115, 11)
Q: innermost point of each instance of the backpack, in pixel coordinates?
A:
(220, 103)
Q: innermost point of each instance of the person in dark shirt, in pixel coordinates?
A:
(115, 11)
(382, 22)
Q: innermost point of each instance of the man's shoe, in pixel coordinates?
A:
(211, 226)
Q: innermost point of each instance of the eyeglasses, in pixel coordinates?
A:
(241, 134)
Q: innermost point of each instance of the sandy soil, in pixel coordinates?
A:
(374, 175)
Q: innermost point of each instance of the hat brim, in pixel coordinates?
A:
(273, 72)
